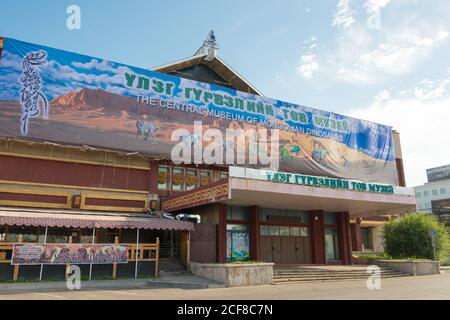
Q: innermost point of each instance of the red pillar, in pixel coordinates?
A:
(355, 229)
(255, 254)
(343, 226)
(317, 237)
(222, 234)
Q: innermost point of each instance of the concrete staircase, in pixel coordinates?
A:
(171, 265)
(283, 275)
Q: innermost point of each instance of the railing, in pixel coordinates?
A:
(143, 252)
(4, 248)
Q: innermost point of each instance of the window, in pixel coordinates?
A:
(443, 190)
(303, 231)
(331, 243)
(178, 179)
(418, 194)
(274, 230)
(330, 218)
(238, 213)
(282, 215)
(191, 179)
(434, 192)
(366, 237)
(426, 193)
(205, 177)
(295, 232)
(223, 175)
(264, 230)
(163, 178)
(284, 231)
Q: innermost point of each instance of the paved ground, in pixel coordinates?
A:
(421, 287)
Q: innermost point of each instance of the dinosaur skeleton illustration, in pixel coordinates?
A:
(145, 129)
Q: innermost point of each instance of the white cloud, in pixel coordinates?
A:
(421, 115)
(397, 55)
(344, 15)
(94, 64)
(308, 66)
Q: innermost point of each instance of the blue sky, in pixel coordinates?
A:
(380, 60)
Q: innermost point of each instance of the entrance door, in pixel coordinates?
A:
(291, 248)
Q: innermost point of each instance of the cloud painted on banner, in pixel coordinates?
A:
(59, 79)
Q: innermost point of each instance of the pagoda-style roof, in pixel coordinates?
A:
(206, 66)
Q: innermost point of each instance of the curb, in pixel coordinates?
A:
(104, 284)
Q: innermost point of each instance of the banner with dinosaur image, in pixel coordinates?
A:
(63, 97)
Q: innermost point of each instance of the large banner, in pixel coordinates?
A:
(58, 96)
(66, 253)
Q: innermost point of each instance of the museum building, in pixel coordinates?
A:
(67, 193)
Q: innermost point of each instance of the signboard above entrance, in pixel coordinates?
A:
(316, 181)
(58, 96)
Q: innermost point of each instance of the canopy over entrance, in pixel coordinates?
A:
(83, 219)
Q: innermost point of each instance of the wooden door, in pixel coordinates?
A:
(266, 248)
(303, 250)
(276, 249)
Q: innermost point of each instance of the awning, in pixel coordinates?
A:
(80, 219)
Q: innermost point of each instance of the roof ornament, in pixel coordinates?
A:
(211, 39)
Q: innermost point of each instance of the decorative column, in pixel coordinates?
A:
(317, 237)
(355, 230)
(254, 234)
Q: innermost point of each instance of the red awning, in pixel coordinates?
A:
(50, 218)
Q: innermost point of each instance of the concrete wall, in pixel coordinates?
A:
(235, 275)
(415, 268)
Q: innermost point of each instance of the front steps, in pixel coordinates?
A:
(283, 275)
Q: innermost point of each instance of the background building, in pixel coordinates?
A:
(434, 196)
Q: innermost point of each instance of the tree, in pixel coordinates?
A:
(409, 237)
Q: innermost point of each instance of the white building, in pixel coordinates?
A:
(437, 188)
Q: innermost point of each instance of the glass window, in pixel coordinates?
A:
(284, 231)
(297, 216)
(331, 243)
(330, 218)
(434, 192)
(443, 190)
(418, 194)
(268, 214)
(29, 234)
(274, 230)
(295, 232)
(191, 179)
(163, 178)
(264, 230)
(237, 227)
(205, 177)
(303, 231)
(223, 175)
(178, 179)
(238, 213)
(366, 237)
(426, 193)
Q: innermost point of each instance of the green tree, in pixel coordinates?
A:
(408, 237)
